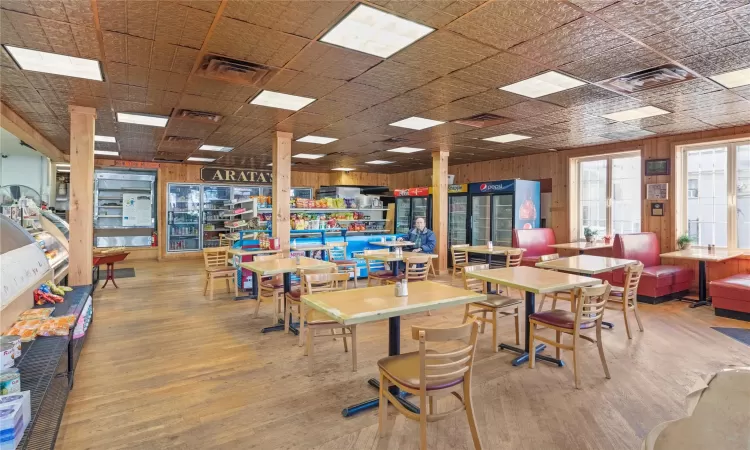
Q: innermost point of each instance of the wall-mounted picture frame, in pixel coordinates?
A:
(657, 191)
(657, 209)
(656, 167)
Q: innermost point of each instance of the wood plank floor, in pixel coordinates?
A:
(164, 367)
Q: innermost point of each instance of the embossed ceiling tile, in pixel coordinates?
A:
(527, 109)
(115, 47)
(23, 6)
(211, 6)
(220, 90)
(137, 76)
(499, 70)
(157, 79)
(579, 96)
(306, 19)
(59, 36)
(259, 45)
(176, 82)
(618, 61)
(333, 62)
(139, 107)
(118, 91)
(79, 12)
(720, 61)
(489, 100)
(742, 91)
(50, 9)
(680, 127)
(724, 29)
(643, 19)
(444, 52)
(392, 76)
(196, 28)
(29, 30)
(113, 15)
(719, 110)
(138, 51)
(12, 76)
(577, 40)
(360, 94)
(190, 129)
(303, 84)
(697, 101)
(607, 106)
(728, 120)
(451, 111)
(666, 119)
(333, 111)
(142, 18)
(592, 5)
(136, 94)
(445, 90)
(170, 22)
(662, 94)
(263, 114)
(343, 128)
(681, 42)
(86, 41)
(184, 59)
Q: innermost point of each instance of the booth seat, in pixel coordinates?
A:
(659, 282)
(731, 296)
(536, 242)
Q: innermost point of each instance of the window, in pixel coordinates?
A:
(717, 201)
(610, 194)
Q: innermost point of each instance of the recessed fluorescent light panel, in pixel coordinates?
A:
(544, 84)
(379, 162)
(215, 148)
(98, 138)
(69, 66)
(733, 79)
(343, 169)
(106, 153)
(507, 138)
(416, 123)
(637, 113)
(307, 156)
(143, 119)
(375, 32)
(405, 150)
(196, 159)
(64, 170)
(316, 139)
(282, 101)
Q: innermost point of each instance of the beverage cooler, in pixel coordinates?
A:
(497, 207)
(410, 204)
(458, 214)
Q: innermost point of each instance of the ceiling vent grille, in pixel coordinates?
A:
(180, 139)
(235, 71)
(199, 116)
(648, 79)
(483, 120)
(395, 140)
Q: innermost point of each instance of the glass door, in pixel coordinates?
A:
(214, 198)
(403, 214)
(502, 227)
(457, 209)
(480, 217)
(183, 214)
(419, 209)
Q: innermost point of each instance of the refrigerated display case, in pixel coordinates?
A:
(214, 198)
(183, 217)
(410, 204)
(458, 217)
(115, 193)
(497, 207)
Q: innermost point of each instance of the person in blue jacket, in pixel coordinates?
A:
(424, 239)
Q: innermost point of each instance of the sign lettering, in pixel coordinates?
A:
(226, 175)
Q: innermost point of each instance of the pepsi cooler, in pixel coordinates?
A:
(497, 207)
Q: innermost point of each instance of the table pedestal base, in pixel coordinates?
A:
(703, 299)
(375, 402)
(524, 358)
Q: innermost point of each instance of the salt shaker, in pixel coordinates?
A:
(398, 289)
(404, 288)
(297, 259)
(489, 245)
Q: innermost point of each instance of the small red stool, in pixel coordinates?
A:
(110, 261)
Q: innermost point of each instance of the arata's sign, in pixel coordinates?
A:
(225, 175)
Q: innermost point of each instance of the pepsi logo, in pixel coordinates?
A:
(483, 187)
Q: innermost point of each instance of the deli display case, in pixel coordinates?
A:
(124, 208)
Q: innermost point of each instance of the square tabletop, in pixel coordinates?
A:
(702, 254)
(391, 243)
(580, 246)
(586, 264)
(284, 265)
(371, 304)
(531, 279)
(251, 251)
(393, 256)
(483, 249)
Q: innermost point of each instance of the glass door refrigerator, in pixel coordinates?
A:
(497, 207)
(212, 223)
(183, 217)
(410, 204)
(458, 214)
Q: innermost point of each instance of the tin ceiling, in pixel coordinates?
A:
(154, 56)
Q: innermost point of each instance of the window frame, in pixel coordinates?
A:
(609, 200)
(732, 225)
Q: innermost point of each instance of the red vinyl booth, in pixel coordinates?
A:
(658, 281)
(536, 242)
(731, 296)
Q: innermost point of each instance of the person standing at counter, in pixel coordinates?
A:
(424, 239)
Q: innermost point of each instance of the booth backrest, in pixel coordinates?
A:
(643, 247)
(536, 241)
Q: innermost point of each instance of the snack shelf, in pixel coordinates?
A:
(322, 210)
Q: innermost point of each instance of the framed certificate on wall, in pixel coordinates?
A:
(657, 191)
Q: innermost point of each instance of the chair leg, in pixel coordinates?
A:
(554, 301)
(236, 286)
(541, 304)
(429, 313)
(558, 337)
(226, 281)
(354, 275)
(518, 329)
(310, 347)
(287, 313)
(625, 316)
(211, 289)
(422, 422)
(205, 288)
(301, 315)
(601, 349)
(637, 315)
(469, 405)
(346, 346)
(466, 312)
(484, 321)
(257, 306)
(382, 406)
(576, 355)
(532, 353)
(354, 347)
(494, 330)
(431, 399)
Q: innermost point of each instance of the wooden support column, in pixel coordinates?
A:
(282, 167)
(81, 212)
(440, 207)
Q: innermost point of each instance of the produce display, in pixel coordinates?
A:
(301, 221)
(49, 293)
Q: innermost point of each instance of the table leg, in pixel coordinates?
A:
(394, 348)
(253, 290)
(287, 314)
(703, 299)
(111, 266)
(530, 308)
(395, 267)
(489, 263)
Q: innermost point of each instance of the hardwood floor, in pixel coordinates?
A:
(164, 367)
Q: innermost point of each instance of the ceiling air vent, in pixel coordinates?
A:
(235, 71)
(649, 79)
(180, 139)
(483, 120)
(395, 140)
(168, 160)
(199, 116)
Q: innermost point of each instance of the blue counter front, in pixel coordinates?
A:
(356, 244)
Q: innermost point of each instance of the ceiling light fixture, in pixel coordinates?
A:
(197, 159)
(405, 150)
(273, 99)
(143, 119)
(64, 170)
(636, 113)
(379, 162)
(307, 156)
(733, 79)
(503, 138)
(343, 169)
(544, 84)
(63, 165)
(69, 66)
(316, 139)
(375, 32)
(98, 138)
(106, 153)
(215, 148)
(416, 123)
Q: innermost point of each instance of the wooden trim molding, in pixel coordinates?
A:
(21, 129)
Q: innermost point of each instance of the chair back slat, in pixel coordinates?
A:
(590, 302)
(215, 257)
(267, 257)
(437, 366)
(459, 256)
(337, 251)
(473, 284)
(303, 274)
(550, 257)
(375, 264)
(633, 274)
(417, 268)
(514, 257)
(324, 282)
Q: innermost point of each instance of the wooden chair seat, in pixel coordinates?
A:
(345, 262)
(498, 301)
(381, 273)
(404, 369)
(216, 270)
(559, 318)
(294, 293)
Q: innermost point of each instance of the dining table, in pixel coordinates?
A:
(582, 247)
(533, 281)
(309, 248)
(242, 252)
(393, 243)
(489, 253)
(372, 304)
(386, 256)
(703, 256)
(284, 267)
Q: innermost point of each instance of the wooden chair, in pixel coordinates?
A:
(427, 374)
(417, 268)
(460, 258)
(513, 259)
(590, 304)
(337, 255)
(629, 301)
(215, 261)
(494, 305)
(562, 295)
(270, 289)
(431, 267)
(373, 272)
(293, 303)
(315, 320)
